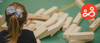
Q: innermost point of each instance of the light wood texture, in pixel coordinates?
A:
(1, 21)
(97, 6)
(38, 17)
(81, 36)
(39, 12)
(60, 14)
(69, 30)
(54, 28)
(67, 23)
(78, 18)
(38, 41)
(64, 17)
(79, 3)
(91, 21)
(76, 41)
(40, 31)
(50, 11)
(77, 29)
(94, 25)
(38, 21)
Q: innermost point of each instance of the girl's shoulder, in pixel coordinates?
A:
(3, 33)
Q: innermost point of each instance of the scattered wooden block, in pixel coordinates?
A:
(54, 28)
(1, 21)
(91, 21)
(79, 3)
(64, 17)
(97, 6)
(40, 31)
(76, 41)
(81, 36)
(77, 29)
(67, 23)
(39, 12)
(60, 14)
(38, 17)
(38, 41)
(77, 19)
(4, 27)
(38, 21)
(94, 25)
(50, 11)
(69, 30)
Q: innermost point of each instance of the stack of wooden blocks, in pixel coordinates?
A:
(46, 23)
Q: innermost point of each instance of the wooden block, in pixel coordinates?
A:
(69, 30)
(97, 6)
(77, 29)
(38, 41)
(40, 31)
(54, 28)
(81, 36)
(64, 17)
(38, 17)
(78, 18)
(34, 26)
(38, 21)
(79, 3)
(94, 25)
(39, 12)
(28, 22)
(60, 15)
(50, 11)
(1, 21)
(67, 23)
(76, 41)
(4, 27)
(91, 21)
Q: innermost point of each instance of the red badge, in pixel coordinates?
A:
(88, 11)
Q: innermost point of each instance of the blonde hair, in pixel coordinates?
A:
(15, 24)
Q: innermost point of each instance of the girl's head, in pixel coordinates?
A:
(15, 16)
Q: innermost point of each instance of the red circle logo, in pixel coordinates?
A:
(88, 11)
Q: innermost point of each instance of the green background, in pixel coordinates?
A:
(34, 5)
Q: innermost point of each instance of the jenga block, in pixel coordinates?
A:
(64, 16)
(38, 21)
(28, 22)
(4, 27)
(91, 21)
(97, 6)
(69, 30)
(67, 23)
(77, 19)
(54, 28)
(34, 26)
(1, 21)
(79, 3)
(38, 17)
(40, 11)
(77, 29)
(94, 25)
(76, 41)
(40, 31)
(60, 15)
(38, 41)
(81, 36)
(50, 11)
(50, 21)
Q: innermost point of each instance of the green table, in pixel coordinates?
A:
(34, 5)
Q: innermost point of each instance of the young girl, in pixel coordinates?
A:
(15, 16)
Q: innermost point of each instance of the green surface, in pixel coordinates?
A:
(34, 5)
